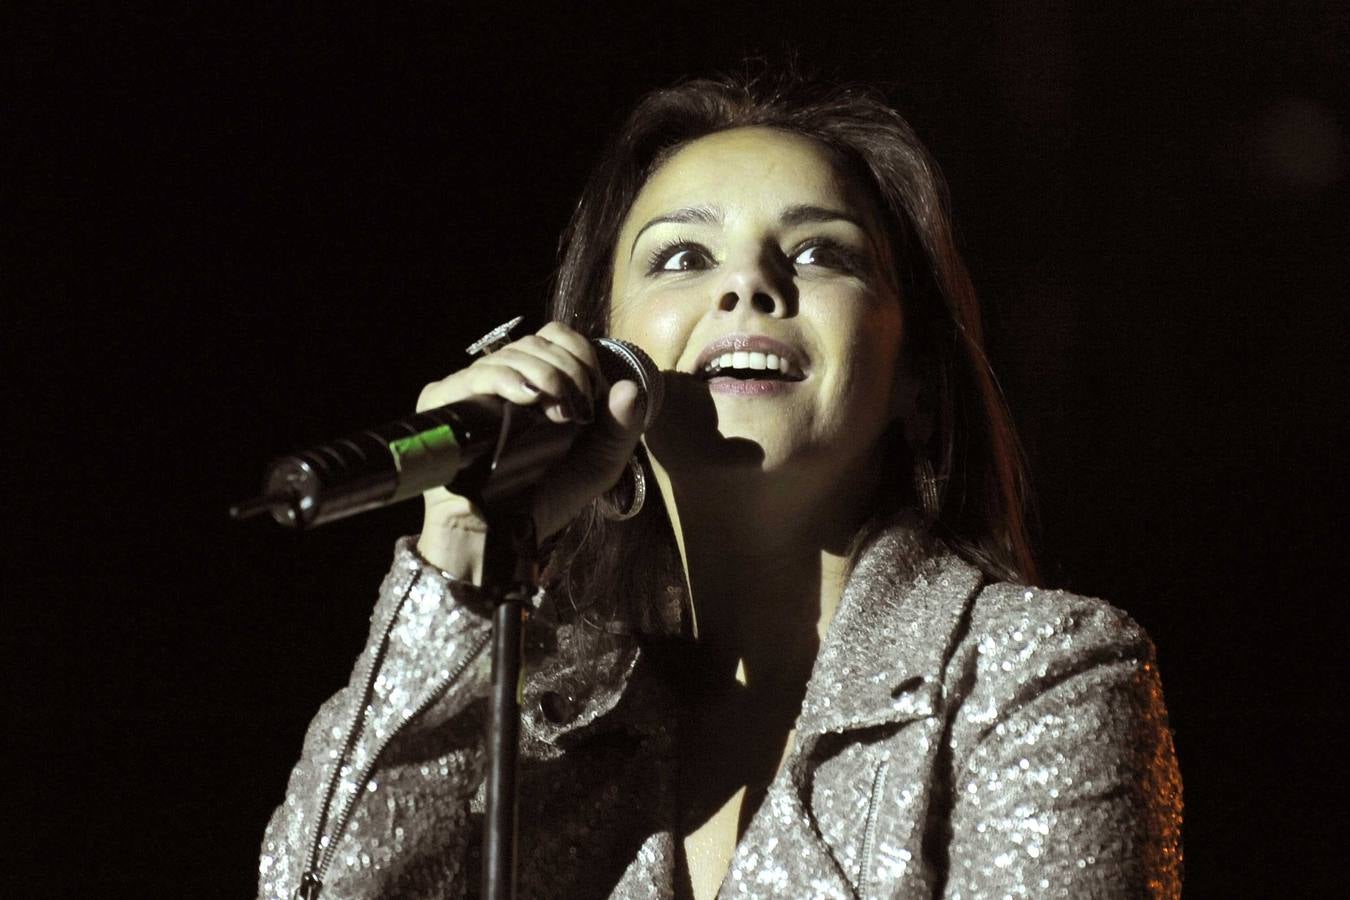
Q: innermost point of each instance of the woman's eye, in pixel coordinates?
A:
(822, 255)
(683, 261)
(680, 258)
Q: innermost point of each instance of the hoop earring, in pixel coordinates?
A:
(926, 487)
(610, 511)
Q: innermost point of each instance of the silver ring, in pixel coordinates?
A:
(495, 339)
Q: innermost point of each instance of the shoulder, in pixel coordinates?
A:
(949, 603)
(1056, 711)
(1022, 642)
(1016, 620)
(1035, 655)
(1031, 658)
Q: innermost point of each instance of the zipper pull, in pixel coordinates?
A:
(309, 888)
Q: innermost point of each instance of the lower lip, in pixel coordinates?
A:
(750, 387)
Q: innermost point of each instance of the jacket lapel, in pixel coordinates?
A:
(881, 665)
(882, 659)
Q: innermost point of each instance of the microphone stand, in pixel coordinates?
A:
(509, 576)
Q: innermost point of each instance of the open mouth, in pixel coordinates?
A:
(751, 365)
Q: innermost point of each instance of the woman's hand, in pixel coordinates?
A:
(557, 369)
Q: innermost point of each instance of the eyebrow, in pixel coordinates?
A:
(701, 215)
(801, 214)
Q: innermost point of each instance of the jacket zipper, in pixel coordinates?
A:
(870, 829)
(321, 857)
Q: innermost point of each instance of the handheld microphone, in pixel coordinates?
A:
(483, 448)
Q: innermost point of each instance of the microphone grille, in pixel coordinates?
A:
(620, 360)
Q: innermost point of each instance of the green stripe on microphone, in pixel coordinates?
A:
(424, 461)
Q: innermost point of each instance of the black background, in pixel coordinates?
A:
(232, 230)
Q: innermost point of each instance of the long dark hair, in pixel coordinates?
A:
(968, 439)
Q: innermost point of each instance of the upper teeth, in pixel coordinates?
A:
(749, 359)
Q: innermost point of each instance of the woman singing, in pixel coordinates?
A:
(787, 645)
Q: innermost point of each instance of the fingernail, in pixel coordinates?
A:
(530, 386)
(561, 409)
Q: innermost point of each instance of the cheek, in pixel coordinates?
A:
(662, 329)
(866, 347)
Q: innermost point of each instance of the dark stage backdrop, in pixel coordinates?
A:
(232, 231)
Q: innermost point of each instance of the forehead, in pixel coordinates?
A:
(746, 169)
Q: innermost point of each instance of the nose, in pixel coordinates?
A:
(761, 282)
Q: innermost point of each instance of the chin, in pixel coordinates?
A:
(741, 452)
(708, 431)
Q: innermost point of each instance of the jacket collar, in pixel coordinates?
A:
(881, 661)
(884, 654)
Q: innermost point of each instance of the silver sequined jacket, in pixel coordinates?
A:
(958, 739)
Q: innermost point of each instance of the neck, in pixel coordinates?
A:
(765, 563)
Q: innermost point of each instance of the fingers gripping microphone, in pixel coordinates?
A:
(484, 448)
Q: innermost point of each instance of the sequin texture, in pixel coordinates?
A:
(957, 739)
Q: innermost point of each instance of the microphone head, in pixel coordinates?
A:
(620, 360)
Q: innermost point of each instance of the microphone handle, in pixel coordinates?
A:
(452, 446)
(482, 448)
